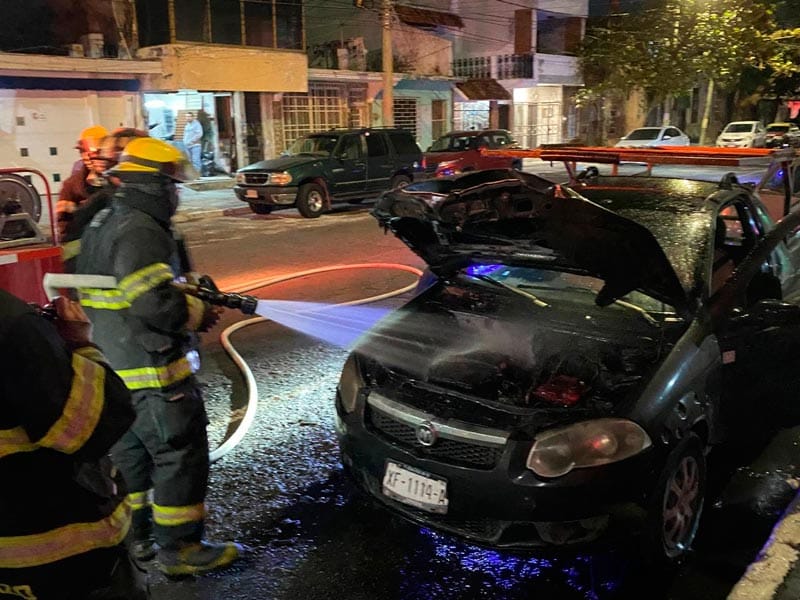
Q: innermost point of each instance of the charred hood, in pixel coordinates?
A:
(520, 219)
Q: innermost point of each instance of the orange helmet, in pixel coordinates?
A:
(91, 138)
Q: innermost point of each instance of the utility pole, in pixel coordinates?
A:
(388, 65)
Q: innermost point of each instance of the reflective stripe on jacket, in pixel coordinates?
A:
(144, 325)
(60, 414)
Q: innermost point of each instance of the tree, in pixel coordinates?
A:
(669, 45)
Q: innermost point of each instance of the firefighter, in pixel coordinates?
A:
(85, 180)
(146, 327)
(109, 151)
(62, 517)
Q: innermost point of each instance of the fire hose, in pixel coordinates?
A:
(207, 291)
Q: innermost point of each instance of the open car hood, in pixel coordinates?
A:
(515, 218)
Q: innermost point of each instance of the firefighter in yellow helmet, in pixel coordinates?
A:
(86, 179)
(146, 328)
(63, 518)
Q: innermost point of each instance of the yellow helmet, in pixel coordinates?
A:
(91, 138)
(151, 155)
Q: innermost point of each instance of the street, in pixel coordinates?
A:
(282, 491)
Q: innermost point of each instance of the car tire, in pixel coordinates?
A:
(260, 209)
(675, 507)
(310, 200)
(399, 181)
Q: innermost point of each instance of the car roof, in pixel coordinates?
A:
(782, 124)
(743, 122)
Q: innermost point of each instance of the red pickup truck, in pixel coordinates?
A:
(459, 152)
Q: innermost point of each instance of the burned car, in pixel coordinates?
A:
(578, 352)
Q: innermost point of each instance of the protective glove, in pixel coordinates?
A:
(211, 316)
(72, 323)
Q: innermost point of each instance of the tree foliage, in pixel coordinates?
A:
(666, 47)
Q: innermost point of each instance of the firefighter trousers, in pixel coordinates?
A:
(166, 450)
(102, 574)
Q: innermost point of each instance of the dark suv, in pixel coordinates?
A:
(322, 168)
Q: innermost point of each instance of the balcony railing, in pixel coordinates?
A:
(501, 66)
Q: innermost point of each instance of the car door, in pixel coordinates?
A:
(496, 141)
(757, 324)
(349, 166)
(380, 164)
(672, 137)
(761, 136)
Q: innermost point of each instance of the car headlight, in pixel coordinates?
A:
(240, 178)
(280, 178)
(587, 444)
(350, 383)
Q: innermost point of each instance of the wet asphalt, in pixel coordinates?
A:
(311, 535)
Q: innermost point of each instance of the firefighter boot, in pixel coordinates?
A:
(197, 558)
(143, 549)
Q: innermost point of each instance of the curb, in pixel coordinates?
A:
(776, 560)
(182, 216)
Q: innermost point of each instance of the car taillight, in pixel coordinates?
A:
(561, 389)
(424, 163)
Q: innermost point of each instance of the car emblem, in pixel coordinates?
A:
(427, 434)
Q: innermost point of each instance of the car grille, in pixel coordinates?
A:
(445, 450)
(256, 178)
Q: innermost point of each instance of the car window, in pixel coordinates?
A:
(644, 134)
(672, 132)
(500, 140)
(735, 234)
(739, 128)
(403, 143)
(350, 148)
(376, 146)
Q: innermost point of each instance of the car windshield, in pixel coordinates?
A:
(739, 128)
(452, 143)
(643, 134)
(777, 129)
(551, 287)
(321, 145)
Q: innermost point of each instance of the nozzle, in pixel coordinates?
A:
(244, 303)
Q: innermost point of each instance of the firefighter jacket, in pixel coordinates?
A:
(79, 220)
(61, 410)
(145, 325)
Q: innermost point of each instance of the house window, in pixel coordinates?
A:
(323, 107)
(152, 19)
(405, 114)
(226, 21)
(438, 119)
(190, 20)
(264, 23)
(258, 24)
(289, 24)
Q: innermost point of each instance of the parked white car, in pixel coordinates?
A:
(743, 134)
(653, 136)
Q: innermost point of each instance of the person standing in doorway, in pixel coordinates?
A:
(192, 136)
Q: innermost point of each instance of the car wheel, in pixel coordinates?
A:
(516, 165)
(310, 200)
(260, 209)
(677, 503)
(399, 181)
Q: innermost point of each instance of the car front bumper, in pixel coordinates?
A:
(266, 194)
(507, 505)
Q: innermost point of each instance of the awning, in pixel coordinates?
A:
(483, 89)
(420, 85)
(423, 17)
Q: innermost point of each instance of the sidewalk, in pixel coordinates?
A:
(775, 573)
(208, 203)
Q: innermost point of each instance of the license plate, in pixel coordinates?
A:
(415, 488)
(251, 194)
